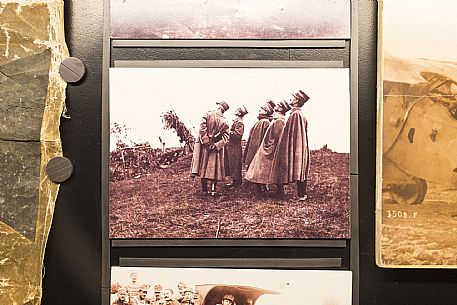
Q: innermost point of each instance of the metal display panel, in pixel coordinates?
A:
(131, 45)
(118, 43)
(228, 243)
(252, 263)
(226, 64)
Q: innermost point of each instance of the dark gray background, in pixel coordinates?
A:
(73, 267)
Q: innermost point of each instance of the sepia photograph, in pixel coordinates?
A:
(417, 135)
(230, 19)
(229, 153)
(202, 286)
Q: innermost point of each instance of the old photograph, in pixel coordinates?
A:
(229, 153)
(417, 129)
(230, 19)
(200, 286)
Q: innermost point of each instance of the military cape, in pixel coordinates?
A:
(206, 163)
(292, 157)
(233, 150)
(256, 135)
(259, 170)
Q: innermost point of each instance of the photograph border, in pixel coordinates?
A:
(256, 242)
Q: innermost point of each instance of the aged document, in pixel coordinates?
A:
(417, 135)
(32, 95)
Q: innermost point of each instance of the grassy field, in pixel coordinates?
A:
(168, 204)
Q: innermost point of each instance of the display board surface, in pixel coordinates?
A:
(73, 259)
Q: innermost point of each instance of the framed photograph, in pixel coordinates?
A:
(229, 153)
(216, 20)
(417, 135)
(202, 286)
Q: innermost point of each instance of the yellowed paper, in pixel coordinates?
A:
(417, 135)
(32, 45)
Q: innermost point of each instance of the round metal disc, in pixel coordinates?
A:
(72, 70)
(59, 169)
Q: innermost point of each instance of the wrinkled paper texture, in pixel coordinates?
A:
(416, 196)
(32, 95)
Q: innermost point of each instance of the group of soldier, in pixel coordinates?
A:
(136, 294)
(276, 152)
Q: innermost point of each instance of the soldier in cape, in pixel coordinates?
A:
(259, 170)
(208, 155)
(292, 158)
(233, 149)
(257, 132)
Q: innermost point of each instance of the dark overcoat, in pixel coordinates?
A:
(259, 170)
(233, 150)
(206, 163)
(256, 135)
(292, 158)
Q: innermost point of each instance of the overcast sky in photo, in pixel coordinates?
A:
(294, 286)
(420, 28)
(138, 97)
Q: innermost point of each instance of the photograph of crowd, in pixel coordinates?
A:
(200, 286)
(229, 153)
(230, 19)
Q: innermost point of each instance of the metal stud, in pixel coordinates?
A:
(72, 70)
(59, 169)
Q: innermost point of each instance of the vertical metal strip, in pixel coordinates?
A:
(106, 243)
(354, 67)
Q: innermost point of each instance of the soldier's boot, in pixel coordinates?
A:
(204, 186)
(279, 191)
(213, 188)
(235, 183)
(301, 190)
(260, 189)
